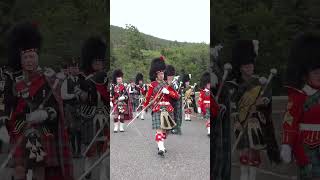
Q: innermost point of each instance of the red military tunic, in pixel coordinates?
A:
(118, 91)
(155, 92)
(204, 101)
(301, 126)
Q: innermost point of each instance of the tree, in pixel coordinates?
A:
(135, 43)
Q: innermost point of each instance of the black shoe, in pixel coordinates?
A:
(174, 131)
(161, 153)
(88, 176)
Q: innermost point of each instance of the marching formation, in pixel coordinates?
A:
(166, 97)
(242, 100)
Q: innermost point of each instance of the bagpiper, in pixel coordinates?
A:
(301, 125)
(142, 89)
(70, 93)
(162, 110)
(94, 96)
(188, 92)
(37, 132)
(220, 117)
(121, 101)
(204, 99)
(174, 83)
(134, 95)
(251, 112)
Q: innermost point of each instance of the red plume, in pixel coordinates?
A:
(35, 24)
(162, 58)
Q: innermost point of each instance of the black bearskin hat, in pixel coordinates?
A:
(23, 37)
(170, 70)
(185, 78)
(157, 64)
(304, 57)
(204, 80)
(116, 73)
(139, 77)
(244, 52)
(94, 48)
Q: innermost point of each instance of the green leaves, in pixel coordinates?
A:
(133, 51)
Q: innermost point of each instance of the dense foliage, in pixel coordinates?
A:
(133, 51)
(274, 23)
(65, 24)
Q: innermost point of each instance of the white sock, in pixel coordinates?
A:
(161, 145)
(252, 173)
(116, 126)
(121, 126)
(208, 128)
(244, 172)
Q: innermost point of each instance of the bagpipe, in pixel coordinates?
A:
(31, 134)
(243, 117)
(166, 123)
(187, 95)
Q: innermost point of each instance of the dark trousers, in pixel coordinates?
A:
(76, 141)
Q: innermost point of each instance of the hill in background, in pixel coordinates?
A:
(132, 51)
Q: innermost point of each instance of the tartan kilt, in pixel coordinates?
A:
(87, 135)
(51, 160)
(49, 147)
(123, 116)
(156, 122)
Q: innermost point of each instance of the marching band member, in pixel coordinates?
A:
(204, 99)
(162, 110)
(142, 91)
(121, 101)
(94, 96)
(301, 125)
(134, 95)
(70, 90)
(188, 100)
(41, 149)
(176, 103)
(252, 111)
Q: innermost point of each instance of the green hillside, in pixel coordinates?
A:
(132, 51)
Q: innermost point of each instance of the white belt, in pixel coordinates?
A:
(310, 127)
(206, 102)
(164, 103)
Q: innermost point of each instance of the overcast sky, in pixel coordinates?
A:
(181, 20)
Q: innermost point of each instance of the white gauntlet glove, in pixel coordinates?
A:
(121, 98)
(286, 153)
(165, 91)
(37, 116)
